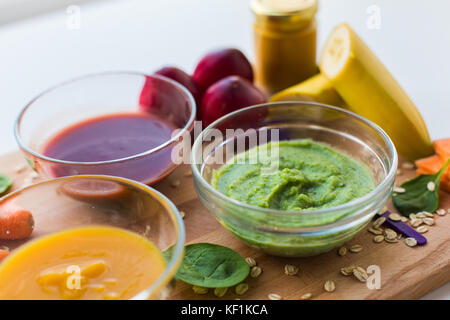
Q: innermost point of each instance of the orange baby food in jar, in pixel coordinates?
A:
(285, 42)
(95, 262)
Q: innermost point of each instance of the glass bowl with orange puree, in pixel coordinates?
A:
(88, 238)
(122, 124)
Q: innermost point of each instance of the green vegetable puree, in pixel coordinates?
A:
(310, 176)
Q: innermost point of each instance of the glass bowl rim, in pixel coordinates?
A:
(178, 251)
(353, 203)
(53, 88)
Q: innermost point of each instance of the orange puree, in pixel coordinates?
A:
(85, 263)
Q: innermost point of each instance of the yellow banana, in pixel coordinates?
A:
(371, 91)
(317, 88)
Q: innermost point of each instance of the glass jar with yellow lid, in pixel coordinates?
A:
(285, 42)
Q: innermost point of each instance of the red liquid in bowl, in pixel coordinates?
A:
(112, 137)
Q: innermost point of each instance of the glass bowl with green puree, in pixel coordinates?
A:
(294, 179)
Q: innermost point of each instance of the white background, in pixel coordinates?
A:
(12, 10)
(143, 35)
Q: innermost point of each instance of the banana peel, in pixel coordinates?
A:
(370, 90)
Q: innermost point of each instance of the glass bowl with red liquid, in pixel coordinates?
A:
(121, 124)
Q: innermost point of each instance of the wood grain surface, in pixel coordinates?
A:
(406, 273)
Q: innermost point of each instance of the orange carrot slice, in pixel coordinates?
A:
(15, 221)
(434, 163)
(431, 165)
(442, 148)
(421, 171)
(3, 254)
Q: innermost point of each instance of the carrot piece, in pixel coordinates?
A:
(442, 148)
(434, 163)
(431, 165)
(421, 171)
(15, 221)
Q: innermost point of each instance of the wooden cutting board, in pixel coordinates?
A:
(406, 273)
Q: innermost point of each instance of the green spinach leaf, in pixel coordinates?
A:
(417, 197)
(211, 266)
(5, 183)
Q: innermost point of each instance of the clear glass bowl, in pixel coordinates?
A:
(95, 95)
(80, 201)
(295, 234)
